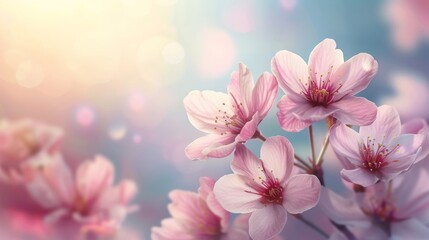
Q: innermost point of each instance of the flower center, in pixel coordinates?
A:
(268, 188)
(231, 118)
(320, 91)
(374, 155)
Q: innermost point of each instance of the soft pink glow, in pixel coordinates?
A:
(85, 116)
(217, 53)
(240, 17)
(288, 4)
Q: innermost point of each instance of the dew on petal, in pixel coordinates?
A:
(117, 132)
(29, 74)
(85, 116)
(173, 53)
(217, 53)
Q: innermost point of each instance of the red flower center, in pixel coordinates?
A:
(319, 90)
(270, 189)
(374, 155)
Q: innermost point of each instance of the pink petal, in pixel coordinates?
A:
(396, 166)
(264, 94)
(185, 206)
(249, 129)
(219, 211)
(409, 229)
(341, 210)
(359, 176)
(235, 195)
(206, 187)
(408, 144)
(415, 207)
(291, 72)
(93, 177)
(267, 222)
(418, 126)
(301, 193)
(387, 125)
(345, 143)
(211, 145)
(245, 163)
(170, 229)
(246, 88)
(278, 155)
(52, 185)
(355, 74)
(355, 111)
(288, 121)
(324, 58)
(203, 107)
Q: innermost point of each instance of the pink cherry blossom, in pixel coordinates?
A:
(229, 118)
(199, 216)
(265, 188)
(396, 210)
(24, 141)
(378, 152)
(419, 126)
(324, 87)
(409, 20)
(88, 198)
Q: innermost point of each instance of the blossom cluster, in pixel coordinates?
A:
(86, 201)
(383, 160)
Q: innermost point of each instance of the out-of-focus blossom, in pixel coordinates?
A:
(378, 152)
(411, 96)
(418, 126)
(396, 210)
(229, 118)
(88, 198)
(24, 141)
(266, 188)
(325, 87)
(199, 216)
(409, 20)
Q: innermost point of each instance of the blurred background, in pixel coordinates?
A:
(113, 75)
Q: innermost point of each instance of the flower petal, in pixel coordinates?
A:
(409, 229)
(287, 120)
(206, 187)
(93, 177)
(245, 163)
(324, 58)
(203, 107)
(249, 129)
(301, 193)
(235, 195)
(264, 94)
(359, 176)
(267, 222)
(355, 111)
(418, 126)
(211, 145)
(407, 144)
(291, 72)
(277, 155)
(386, 126)
(341, 210)
(355, 74)
(345, 143)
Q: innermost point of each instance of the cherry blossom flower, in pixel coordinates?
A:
(229, 118)
(89, 198)
(396, 210)
(324, 87)
(24, 141)
(409, 20)
(378, 152)
(265, 188)
(199, 216)
(418, 126)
